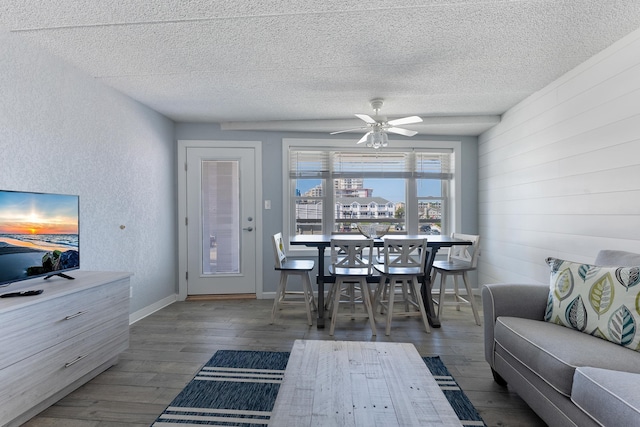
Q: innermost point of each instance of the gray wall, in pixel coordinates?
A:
(62, 131)
(560, 175)
(272, 178)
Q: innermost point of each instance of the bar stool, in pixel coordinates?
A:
(288, 268)
(461, 260)
(404, 263)
(351, 266)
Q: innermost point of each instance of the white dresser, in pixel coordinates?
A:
(52, 343)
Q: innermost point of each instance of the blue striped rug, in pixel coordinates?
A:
(239, 388)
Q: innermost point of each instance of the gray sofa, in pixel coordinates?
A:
(567, 377)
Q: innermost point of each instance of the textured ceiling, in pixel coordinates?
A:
(319, 62)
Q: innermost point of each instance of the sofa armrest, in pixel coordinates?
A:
(514, 300)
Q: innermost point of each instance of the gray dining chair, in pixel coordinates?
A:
(461, 260)
(351, 265)
(287, 268)
(402, 269)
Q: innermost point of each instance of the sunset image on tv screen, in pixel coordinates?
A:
(38, 234)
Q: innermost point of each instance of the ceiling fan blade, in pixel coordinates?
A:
(366, 118)
(347, 130)
(364, 138)
(405, 121)
(401, 131)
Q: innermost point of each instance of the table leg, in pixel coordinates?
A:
(427, 299)
(320, 281)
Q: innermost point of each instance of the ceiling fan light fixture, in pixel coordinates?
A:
(377, 139)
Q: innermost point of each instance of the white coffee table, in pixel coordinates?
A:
(345, 383)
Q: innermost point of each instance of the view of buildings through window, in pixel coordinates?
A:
(335, 190)
(356, 204)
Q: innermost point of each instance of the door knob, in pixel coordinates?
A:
(248, 228)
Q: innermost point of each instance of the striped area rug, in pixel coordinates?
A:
(239, 388)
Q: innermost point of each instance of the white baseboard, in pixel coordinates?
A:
(150, 309)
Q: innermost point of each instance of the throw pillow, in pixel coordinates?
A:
(601, 301)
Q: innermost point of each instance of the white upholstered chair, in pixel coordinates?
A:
(461, 260)
(403, 266)
(288, 267)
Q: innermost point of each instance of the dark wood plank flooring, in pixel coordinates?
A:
(168, 347)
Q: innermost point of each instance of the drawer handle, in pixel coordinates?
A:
(80, 313)
(76, 360)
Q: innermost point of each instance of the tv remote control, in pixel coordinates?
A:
(22, 294)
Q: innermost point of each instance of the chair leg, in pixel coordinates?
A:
(329, 298)
(366, 296)
(456, 292)
(279, 296)
(418, 294)
(379, 293)
(384, 295)
(443, 285)
(336, 302)
(312, 299)
(352, 298)
(308, 296)
(471, 298)
(405, 294)
(390, 301)
(350, 288)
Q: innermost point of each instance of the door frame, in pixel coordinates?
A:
(182, 147)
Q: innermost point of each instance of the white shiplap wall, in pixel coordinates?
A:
(560, 175)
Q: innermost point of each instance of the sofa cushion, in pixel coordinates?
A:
(553, 352)
(612, 398)
(600, 301)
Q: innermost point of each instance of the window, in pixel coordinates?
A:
(335, 188)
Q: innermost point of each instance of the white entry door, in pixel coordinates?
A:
(221, 224)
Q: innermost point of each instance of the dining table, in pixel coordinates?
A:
(322, 241)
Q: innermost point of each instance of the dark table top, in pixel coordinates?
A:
(320, 240)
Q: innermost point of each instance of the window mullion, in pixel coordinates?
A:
(411, 206)
(328, 213)
(328, 206)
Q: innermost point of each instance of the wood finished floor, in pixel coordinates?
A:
(168, 348)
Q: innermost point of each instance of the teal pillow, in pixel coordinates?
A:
(600, 301)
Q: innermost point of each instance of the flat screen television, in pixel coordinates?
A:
(39, 235)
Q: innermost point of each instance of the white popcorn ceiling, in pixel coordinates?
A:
(319, 62)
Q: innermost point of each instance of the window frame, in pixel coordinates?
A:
(452, 213)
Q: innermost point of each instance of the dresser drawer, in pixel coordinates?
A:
(42, 375)
(30, 329)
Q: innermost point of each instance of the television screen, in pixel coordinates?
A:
(38, 235)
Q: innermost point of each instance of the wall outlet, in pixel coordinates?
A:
(267, 204)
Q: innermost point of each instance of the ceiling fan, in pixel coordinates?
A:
(378, 127)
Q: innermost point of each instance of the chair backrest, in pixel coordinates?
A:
(278, 250)
(405, 253)
(466, 253)
(352, 253)
(617, 258)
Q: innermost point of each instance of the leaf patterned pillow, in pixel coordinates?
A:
(600, 301)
